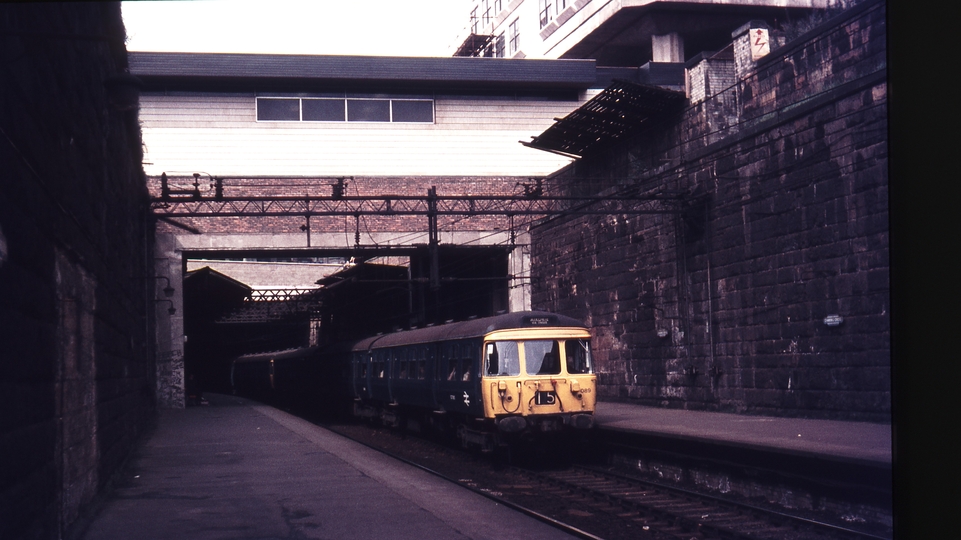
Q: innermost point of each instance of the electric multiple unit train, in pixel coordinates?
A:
(488, 380)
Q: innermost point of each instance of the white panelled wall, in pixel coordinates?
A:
(471, 136)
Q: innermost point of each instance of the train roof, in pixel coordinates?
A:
(277, 355)
(469, 329)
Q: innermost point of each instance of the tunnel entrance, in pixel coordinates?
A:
(347, 297)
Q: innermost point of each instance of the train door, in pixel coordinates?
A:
(360, 367)
(380, 375)
(457, 375)
(502, 369)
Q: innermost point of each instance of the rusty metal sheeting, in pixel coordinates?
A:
(622, 109)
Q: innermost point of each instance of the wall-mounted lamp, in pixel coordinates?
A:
(833, 320)
(168, 290)
(171, 310)
(662, 333)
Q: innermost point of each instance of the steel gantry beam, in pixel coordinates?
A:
(172, 206)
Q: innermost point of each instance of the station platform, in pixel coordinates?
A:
(862, 443)
(235, 469)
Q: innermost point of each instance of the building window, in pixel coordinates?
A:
(549, 9)
(499, 44)
(284, 110)
(486, 16)
(368, 110)
(498, 6)
(544, 7)
(323, 110)
(474, 22)
(411, 110)
(515, 37)
(345, 110)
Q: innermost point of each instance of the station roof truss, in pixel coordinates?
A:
(620, 110)
(274, 305)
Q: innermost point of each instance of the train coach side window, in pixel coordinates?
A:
(501, 358)
(453, 371)
(420, 360)
(466, 369)
(578, 352)
(380, 364)
(402, 363)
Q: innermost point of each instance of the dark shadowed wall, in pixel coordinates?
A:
(77, 384)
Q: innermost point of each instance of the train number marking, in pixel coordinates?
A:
(545, 398)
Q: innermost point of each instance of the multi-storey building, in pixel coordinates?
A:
(615, 33)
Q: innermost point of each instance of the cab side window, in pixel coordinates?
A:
(502, 358)
(578, 353)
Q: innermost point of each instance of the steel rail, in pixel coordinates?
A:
(574, 531)
(819, 525)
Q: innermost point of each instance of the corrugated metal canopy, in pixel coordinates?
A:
(474, 44)
(197, 70)
(623, 108)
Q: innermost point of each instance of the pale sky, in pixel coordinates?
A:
(337, 27)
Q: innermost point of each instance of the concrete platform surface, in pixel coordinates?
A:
(238, 470)
(856, 442)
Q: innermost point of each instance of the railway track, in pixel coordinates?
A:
(685, 514)
(592, 502)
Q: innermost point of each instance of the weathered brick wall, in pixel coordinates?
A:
(784, 222)
(710, 75)
(76, 387)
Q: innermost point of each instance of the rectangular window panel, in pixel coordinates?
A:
(542, 357)
(578, 352)
(545, 9)
(278, 109)
(368, 110)
(324, 110)
(412, 111)
(502, 358)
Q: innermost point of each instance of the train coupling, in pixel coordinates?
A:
(581, 421)
(512, 424)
